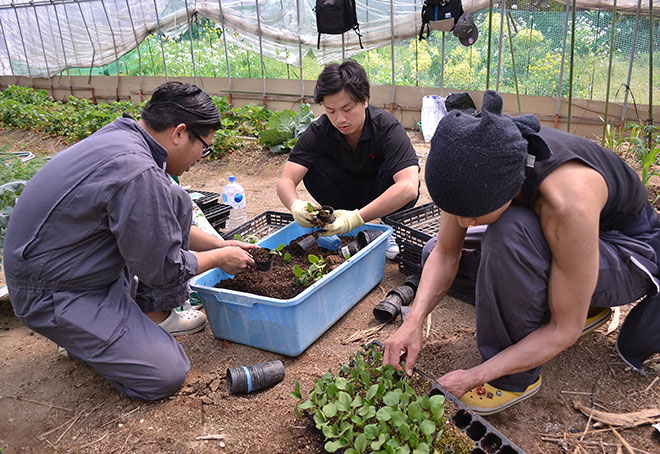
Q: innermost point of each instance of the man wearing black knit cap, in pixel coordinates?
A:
(559, 230)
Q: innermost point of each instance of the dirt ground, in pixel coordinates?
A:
(51, 404)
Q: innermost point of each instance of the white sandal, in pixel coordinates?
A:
(184, 322)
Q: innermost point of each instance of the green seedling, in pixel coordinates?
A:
(250, 239)
(369, 407)
(315, 272)
(311, 209)
(278, 251)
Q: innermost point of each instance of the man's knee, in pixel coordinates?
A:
(164, 377)
(517, 232)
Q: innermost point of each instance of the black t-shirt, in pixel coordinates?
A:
(383, 140)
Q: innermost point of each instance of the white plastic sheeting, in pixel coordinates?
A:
(44, 37)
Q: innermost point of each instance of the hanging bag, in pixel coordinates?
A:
(335, 17)
(439, 15)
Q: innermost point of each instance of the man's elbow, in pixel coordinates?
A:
(411, 190)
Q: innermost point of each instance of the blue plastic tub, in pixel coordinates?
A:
(290, 326)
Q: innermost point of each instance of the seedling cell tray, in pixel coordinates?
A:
(412, 229)
(261, 225)
(487, 439)
(290, 326)
(204, 199)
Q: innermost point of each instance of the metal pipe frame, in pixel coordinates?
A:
(630, 65)
(570, 68)
(224, 42)
(20, 32)
(561, 68)
(189, 18)
(160, 35)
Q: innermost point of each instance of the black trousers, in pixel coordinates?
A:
(331, 185)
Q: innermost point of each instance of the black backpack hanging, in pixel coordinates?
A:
(444, 13)
(335, 17)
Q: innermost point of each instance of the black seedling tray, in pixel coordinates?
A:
(487, 439)
(217, 213)
(412, 229)
(261, 225)
(208, 200)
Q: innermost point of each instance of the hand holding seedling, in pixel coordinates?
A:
(239, 243)
(301, 212)
(345, 221)
(406, 343)
(233, 259)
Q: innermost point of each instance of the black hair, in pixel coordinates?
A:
(174, 102)
(349, 76)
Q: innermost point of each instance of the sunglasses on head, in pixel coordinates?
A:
(207, 148)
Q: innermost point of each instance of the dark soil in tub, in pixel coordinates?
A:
(278, 281)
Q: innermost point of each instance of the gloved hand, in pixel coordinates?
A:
(300, 214)
(345, 221)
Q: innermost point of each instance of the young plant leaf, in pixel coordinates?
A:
(329, 410)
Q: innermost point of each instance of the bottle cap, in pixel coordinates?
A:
(232, 178)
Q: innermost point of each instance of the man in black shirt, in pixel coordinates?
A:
(356, 158)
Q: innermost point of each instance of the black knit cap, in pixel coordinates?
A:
(477, 164)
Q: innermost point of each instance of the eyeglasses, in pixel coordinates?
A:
(207, 150)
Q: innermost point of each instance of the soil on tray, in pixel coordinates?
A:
(277, 282)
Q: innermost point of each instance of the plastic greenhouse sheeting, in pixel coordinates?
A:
(44, 37)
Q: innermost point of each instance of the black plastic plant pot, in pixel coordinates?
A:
(412, 281)
(388, 309)
(263, 259)
(246, 379)
(404, 292)
(265, 265)
(365, 237)
(350, 249)
(326, 214)
(304, 244)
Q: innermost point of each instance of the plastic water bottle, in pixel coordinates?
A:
(233, 194)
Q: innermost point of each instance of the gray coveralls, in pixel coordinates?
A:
(98, 213)
(504, 269)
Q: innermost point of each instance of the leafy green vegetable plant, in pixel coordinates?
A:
(285, 127)
(251, 239)
(315, 272)
(371, 408)
(278, 251)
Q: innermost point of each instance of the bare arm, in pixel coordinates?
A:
(438, 275)
(211, 252)
(291, 177)
(570, 225)
(404, 189)
(202, 241)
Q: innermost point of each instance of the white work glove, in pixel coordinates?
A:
(345, 221)
(301, 214)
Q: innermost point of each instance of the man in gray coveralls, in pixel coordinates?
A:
(103, 211)
(561, 225)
